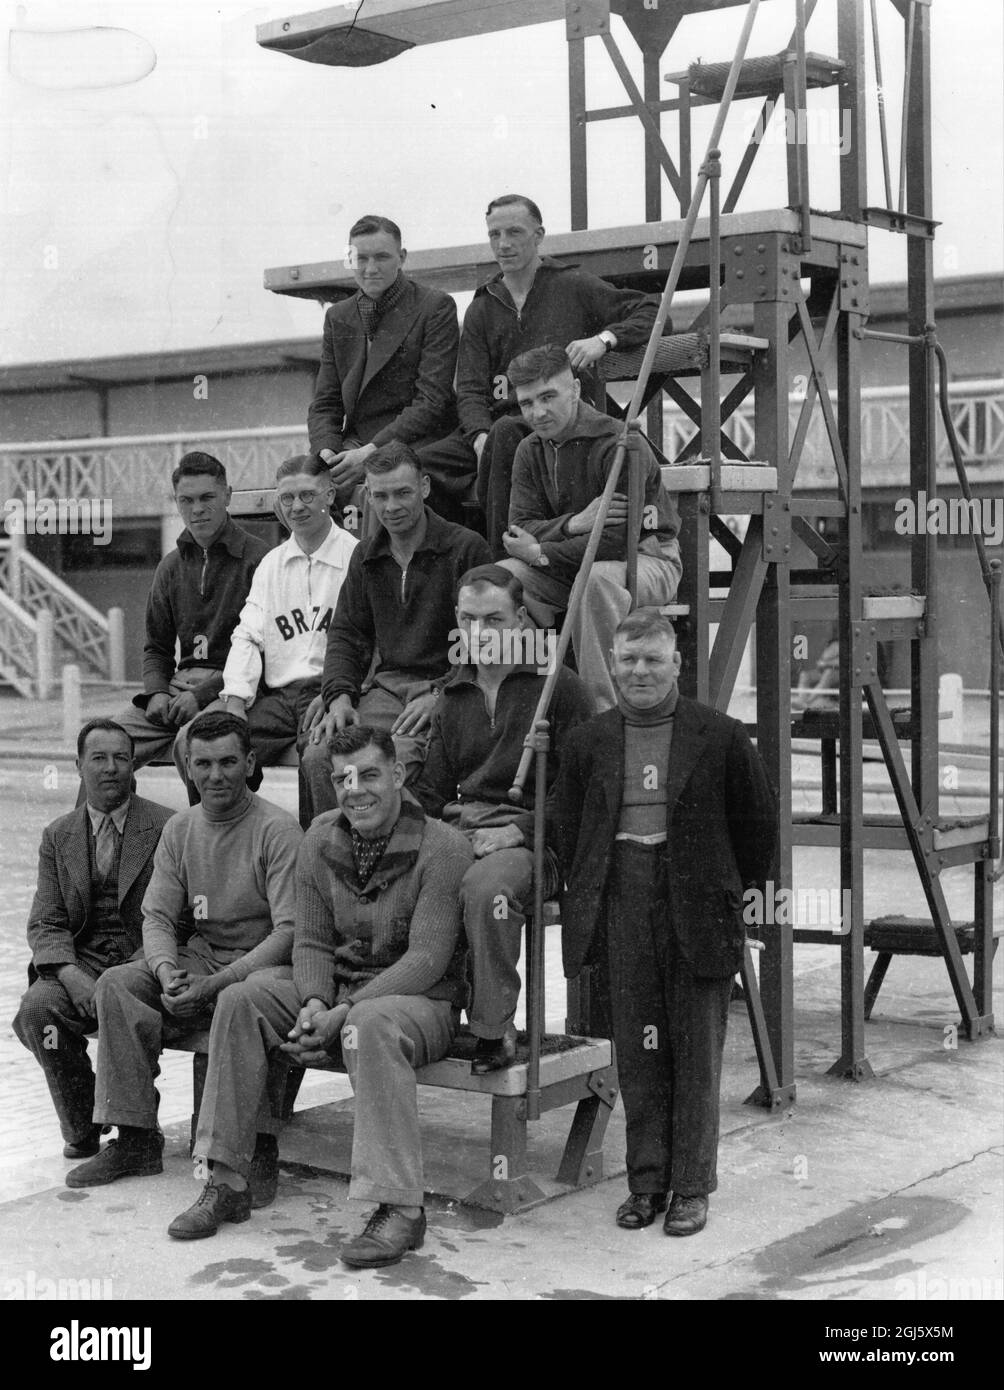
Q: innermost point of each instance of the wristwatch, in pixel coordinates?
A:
(607, 337)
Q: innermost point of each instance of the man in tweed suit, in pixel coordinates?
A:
(93, 869)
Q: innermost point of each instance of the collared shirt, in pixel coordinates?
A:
(283, 629)
(118, 817)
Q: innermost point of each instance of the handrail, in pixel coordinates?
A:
(60, 587)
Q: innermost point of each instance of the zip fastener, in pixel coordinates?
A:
(202, 576)
(404, 576)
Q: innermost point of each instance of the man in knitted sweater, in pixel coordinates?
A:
(378, 979)
(663, 817)
(220, 905)
(559, 473)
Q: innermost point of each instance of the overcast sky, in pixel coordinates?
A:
(151, 174)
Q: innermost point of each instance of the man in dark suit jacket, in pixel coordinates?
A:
(663, 817)
(387, 363)
(94, 866)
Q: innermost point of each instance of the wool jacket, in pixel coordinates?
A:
(196, 600)
(399, 933)
(553, 481)
(564, 303)
(721, 825)
(229, 880)
(283, 629)
(406, 615)
(399, 386)
(473, 756)
(59, 918)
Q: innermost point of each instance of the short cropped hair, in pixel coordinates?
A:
(312, 464)
(109, 726)
(508, 199)
(539, 364)
(371, 223)
(495, 575)
(645, 622)
(390, 456)
(197, 464)
(355, 737)
(219, 724)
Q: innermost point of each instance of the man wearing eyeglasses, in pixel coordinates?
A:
(272, 675)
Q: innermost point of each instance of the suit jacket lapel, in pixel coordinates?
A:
(689, 736)
(137, 842)
(73, 846)
(392, 332)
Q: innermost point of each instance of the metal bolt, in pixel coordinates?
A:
(761, 270)
(589, 1172)
(761, 247)
(294, 274)
(739, 275)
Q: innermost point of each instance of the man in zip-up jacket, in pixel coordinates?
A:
(273, 672)
(477, 739)
(195, 602)
(560, 472)
(398, 601)
(531, 301)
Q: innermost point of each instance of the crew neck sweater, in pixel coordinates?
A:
(229, 879)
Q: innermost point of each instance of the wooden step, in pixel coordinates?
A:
(684, 354)
(758, 77)
(917, 936)
(735, 477)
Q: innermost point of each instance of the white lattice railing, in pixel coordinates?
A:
(977, 410)
(81, 630)
(133, 473)
(18, 648)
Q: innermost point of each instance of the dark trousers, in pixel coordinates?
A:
(452, 465)
(669, 1030)
(48, 1025)
(495, 477)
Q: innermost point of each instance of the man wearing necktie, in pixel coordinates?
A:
(94, 867)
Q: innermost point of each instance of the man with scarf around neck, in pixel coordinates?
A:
(377, 980)
(387, 362)
(662, 817)
(219, 905)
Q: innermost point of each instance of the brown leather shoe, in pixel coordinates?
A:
(640, 1210)
(686, 1216)
(387, 1238)
(216, 1205)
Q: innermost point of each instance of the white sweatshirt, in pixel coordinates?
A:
(282, 632)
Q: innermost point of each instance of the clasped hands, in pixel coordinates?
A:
(185, 995)
(315, 1029)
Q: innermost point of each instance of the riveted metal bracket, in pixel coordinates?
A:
(585, 18)
(776, 544)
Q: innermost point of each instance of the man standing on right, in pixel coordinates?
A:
(663, 817)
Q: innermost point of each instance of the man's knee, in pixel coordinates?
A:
(486, 891)
(41, 1006)
(132, 979)
(371, 1026)
(314, 761)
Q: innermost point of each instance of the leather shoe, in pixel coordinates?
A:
(135, 1157)
(493, 1054)
(86, 1147)
(387, 1237)
(640, 1210)
(216, 1205)
(263, 1178)
(686, 1216)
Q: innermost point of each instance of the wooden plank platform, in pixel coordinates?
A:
(736, 477)
(619, 252)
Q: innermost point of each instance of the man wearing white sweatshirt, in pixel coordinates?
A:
(272, 675)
